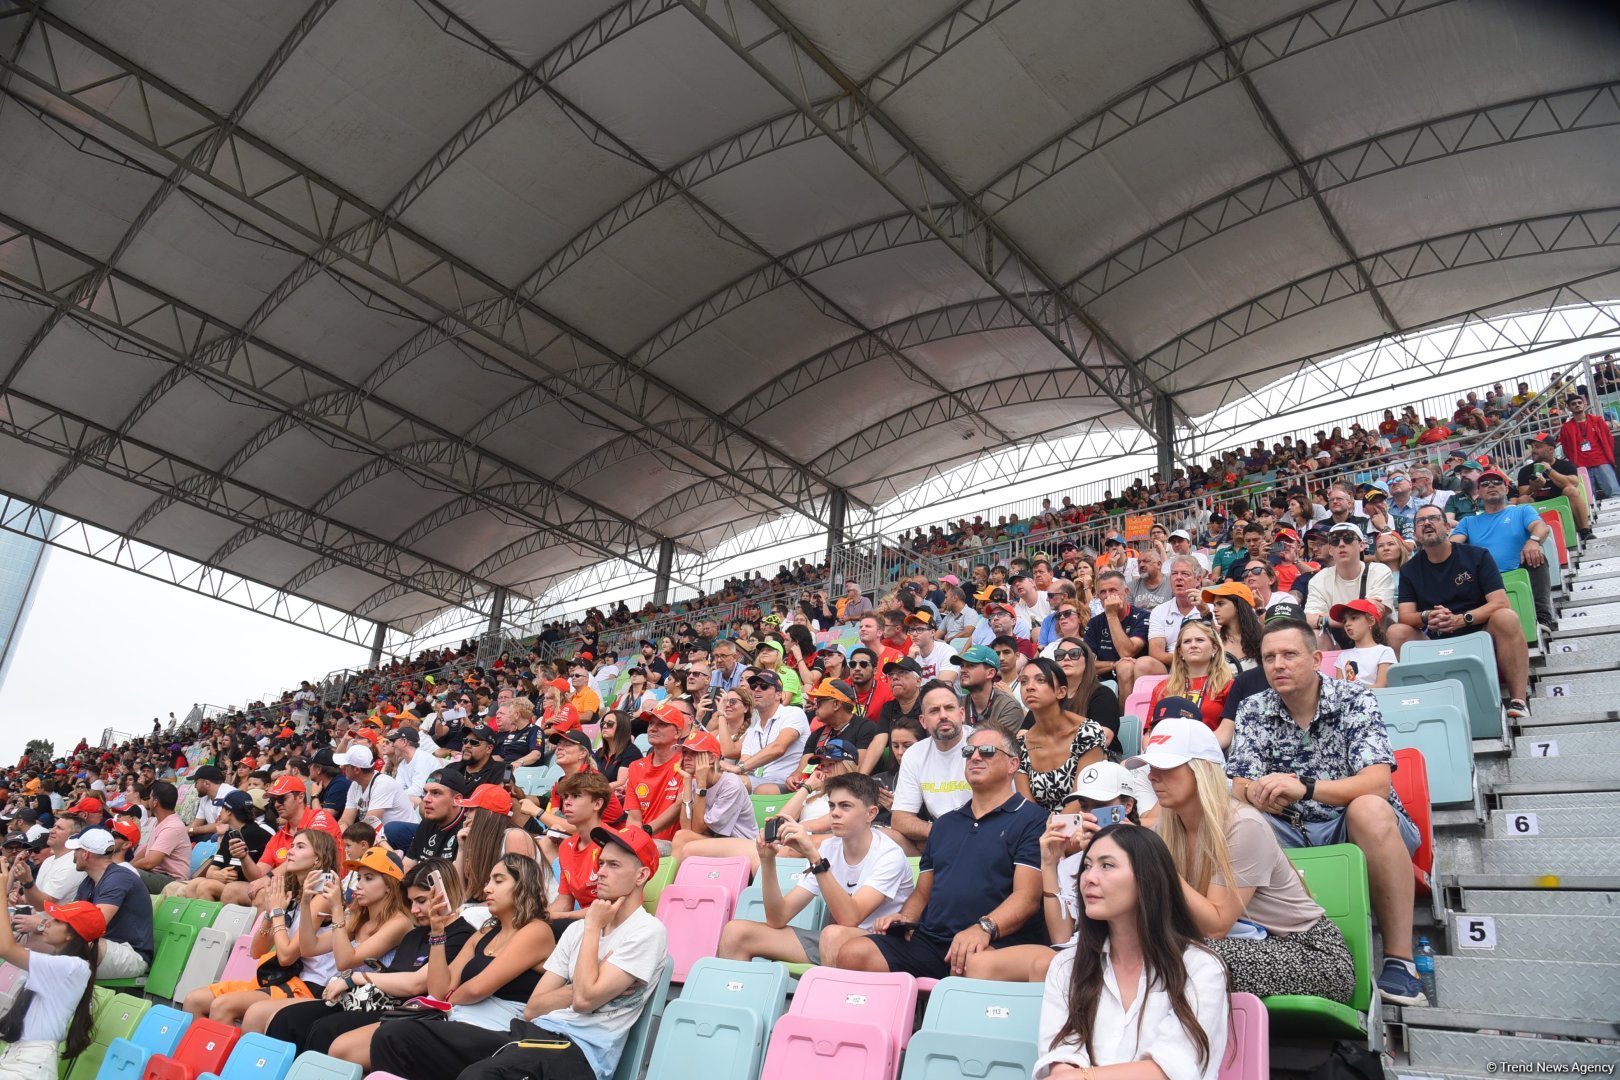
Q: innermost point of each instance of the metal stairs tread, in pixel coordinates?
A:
(1436, 1052)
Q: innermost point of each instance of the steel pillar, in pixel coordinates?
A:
(1164, 433)
(497, 612)
(377, 639)
(666, 568)
(837, 507)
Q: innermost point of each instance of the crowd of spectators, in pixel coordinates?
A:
(386, 837)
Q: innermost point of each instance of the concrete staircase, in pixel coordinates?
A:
(1528, 917)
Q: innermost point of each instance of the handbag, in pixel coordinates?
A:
(367, 998)
(271, 974)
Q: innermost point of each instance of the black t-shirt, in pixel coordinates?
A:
(1104, 709)
(464, 780)
(1246, 685)
(412, 952)
(860, 731)
(892, 711)
(1531, 476)
(431, 843)
(451, 739)
(1459, 584)
(254, 835)
(514, 745)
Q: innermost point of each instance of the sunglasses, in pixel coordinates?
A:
(860, 663)
(985, 753)
(1068, 613)
(1342, 539)
(1254, 571)
(1069, 654)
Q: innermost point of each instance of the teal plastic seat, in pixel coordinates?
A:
(312, 1066)
(951, 1055)
(1432, 720)
(201, 852)
(717, 1028)
(789, 872)
(979, 1007)
(531, 779)
(159, 1032)
(635, 1045)
(1130, 736)
(256, 1057)
(1471, 661)
(1336, 876)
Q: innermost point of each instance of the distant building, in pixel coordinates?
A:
(22, 559)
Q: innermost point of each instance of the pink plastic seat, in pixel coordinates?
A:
(1330, 663)
(885, 1000)
(732, 875)
(10, 976)
(693, 916)
(1248, 1044)
(1141, 694)
(804, 1046)
(240, 964)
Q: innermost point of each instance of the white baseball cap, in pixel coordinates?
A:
(1175, 741)
(357, 755)
(95, 841)
(1103, 781)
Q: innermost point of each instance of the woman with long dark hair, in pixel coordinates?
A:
(618, 747)
(348, 1006)
(487, 837)
(1088, 696)
(55, 1005)
(1137, 951)
(1055, 742)
(1238, 623)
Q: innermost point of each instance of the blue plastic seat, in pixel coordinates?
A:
(312, 1066)
(1130, 736)
(635, 1046)
(159, 1032)
(789, 873)
(999, 1010)
(201, 852)
(716, 1029)
(1471, 661)
(949, 1055)
(257, 1057)
(1432, 720)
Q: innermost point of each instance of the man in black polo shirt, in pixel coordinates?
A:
(978, 888)
(1550, 475)
(441, 821)
(1119, 635)
(478, 764)
(1447, 590)
(333, 794)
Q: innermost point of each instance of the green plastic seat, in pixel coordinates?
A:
(655, 884)
(83, 1067)
(169, 959)
(1565, 514)
(1517, 584)
(117, 1016)
(201, 914)
(1336, 876)
(166, 911)
(768, 806)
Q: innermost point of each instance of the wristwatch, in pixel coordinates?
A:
(988, 925)
(701, 792)
(1310, 786)
(820, 866)
(278, 913)
(1468, 618)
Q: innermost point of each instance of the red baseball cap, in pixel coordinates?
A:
(87, 805)
(633, 840)
(1493, 473)
(1366, 607)
(85, 918)
(491, 797)
(129, 831)
(702, 742)
(666, 713)
(287, 785)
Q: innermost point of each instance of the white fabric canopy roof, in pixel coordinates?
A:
(387, 304)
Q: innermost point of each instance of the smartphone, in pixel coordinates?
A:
(772, 828)
(1108, 815)
(22, 909)
(1069, 823)
(325, 881)
(899, 928)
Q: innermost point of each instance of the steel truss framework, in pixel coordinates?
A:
(252, 188)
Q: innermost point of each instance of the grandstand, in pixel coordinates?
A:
(498, 338)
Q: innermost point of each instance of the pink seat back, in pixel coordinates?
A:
(1330, 663)
(10, 976)
(732, 874)
(240, 964)
(693, 916)
(886, 1000)
(1141, 694)
(1248, 1043)
(804, 1046)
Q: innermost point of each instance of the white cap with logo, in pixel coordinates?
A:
(1175, 741)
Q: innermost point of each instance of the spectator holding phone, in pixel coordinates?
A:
(859, 872)
(55, 1005)
(241, 839)
(1246, 898)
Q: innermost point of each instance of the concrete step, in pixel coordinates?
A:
(1567, 938)
(1463, 1053)
(1544, 743)
(1532, 989)
(1563, 822)
(1539, 902)
(1587, 800)
(1544, 859)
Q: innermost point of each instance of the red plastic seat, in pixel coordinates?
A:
(1411, 784)
(203, 1049)
(1555, 522)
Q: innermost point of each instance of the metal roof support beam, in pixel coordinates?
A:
(127, 554)
(1164, 434)
(377, 641)
(497, 612)
(835, 527)
(666, 564)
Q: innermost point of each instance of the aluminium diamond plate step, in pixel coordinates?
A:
(1539, 902)
(1594, 691)
(1525, 988)
(1560, 800)
(1591, 590)
(1568, 938)
(1539, 858)
(1578, 654)
(1598, 569)
(1574, 728)
(1596, 771)
(1582, 621)
(1564, 822)
(1544, 743)
(1465, 1053)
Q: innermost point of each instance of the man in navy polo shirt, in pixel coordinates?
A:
(979, 885)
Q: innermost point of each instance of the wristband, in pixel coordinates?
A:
(437, 939)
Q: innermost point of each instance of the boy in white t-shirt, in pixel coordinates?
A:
(860, 873)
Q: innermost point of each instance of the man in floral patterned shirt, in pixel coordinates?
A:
(1312, 754)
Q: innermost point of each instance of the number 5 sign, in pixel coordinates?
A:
(1475, 932)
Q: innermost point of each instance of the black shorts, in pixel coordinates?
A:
(921, 956)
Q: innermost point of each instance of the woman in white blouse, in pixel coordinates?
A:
(1138, 997)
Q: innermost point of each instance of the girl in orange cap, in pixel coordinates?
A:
(55, 1005)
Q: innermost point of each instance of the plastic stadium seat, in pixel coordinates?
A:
(949, 1055)
(1433, 720)
(201, 913)
(120, 1017)
(1555, 522)
(1330, 663)
(767, 807)
(234, 920)
(166, 911)
(730, 874)
(1141, 694)
(804, 1046)
(657, 883)
(635, 1044)
(1411, 784)
(887, 1000)
(240, 964)
(169, 960)
(201, 852)
(978, 1007)
(789, 872)
(531, 779)
(312, 1066)
(694, 916)
(205, 963)
(1248, 1041)
(1130, 735)
(1336, 876)
(1522, 598)
(257, 1057)
(204, 1048)
(717, 1029)
(1469, 660)
(1565, 514)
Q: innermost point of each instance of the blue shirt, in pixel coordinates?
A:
(972, 860)
(121, 887)
(1502, 534)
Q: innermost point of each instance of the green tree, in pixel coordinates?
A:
(41, 748)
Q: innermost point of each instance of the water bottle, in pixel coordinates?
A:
(1425, 969)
